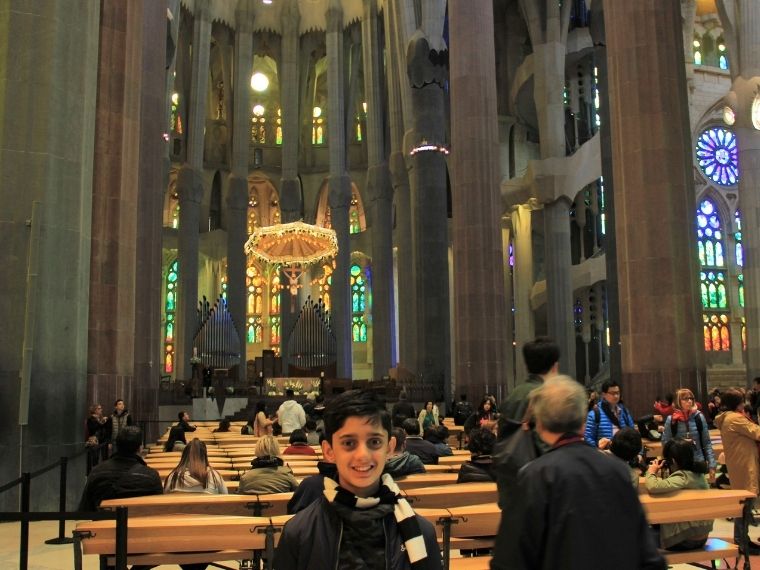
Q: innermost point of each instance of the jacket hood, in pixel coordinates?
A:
(267, 461)
(719, 420)
(290, 404)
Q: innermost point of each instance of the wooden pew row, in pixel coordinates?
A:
(475, 525)
(435, 497)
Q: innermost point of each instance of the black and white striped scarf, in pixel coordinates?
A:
(389, 493)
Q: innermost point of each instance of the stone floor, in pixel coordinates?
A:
(54, 557)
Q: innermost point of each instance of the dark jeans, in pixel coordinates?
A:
(740, 526)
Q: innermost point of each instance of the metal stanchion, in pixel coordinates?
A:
(23, 556)
(121, 538)
(62, 538)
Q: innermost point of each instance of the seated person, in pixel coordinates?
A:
(685, 473)
(362, 518)
(312, 434)
(224, 425)
(479, 468)
(298, 444)
(269, 474)
(193, 473)
(438, 436)
(626, 445)
(415, 445)
(176, 440)
(124, 475)
(400, 462)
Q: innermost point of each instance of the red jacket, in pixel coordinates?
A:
(299, 449)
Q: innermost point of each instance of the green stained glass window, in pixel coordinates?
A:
(169, 315)
(709, 235)
(358, 304)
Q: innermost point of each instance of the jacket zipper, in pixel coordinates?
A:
(388, 554)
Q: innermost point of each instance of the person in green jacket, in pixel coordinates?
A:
(685, 473)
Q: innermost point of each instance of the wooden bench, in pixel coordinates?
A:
(448, 496)
(179, 539)
(203, 504)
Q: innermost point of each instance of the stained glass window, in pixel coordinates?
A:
(709, 235)
(278, 131)
(697, 52)
(718, 155)
(254, 287)
(170, 309)
(258, 125)
(324, 282)
(274, 331)
(224, 288)
(716, 333)
(274, 295)
(722, 59)
(358, 304)
(738, 238)
(713, 289)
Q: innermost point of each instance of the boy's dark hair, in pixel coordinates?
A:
(730, 400)
(540, 354)
(310, 425)
(116, 401)
(411, 426)
(297, 436)
(681, 451)
(129, 440)
(443, 433)
(180, 415)
(626, 444)
(481, 441)
(609, 384)
(289, 393)
(355, 403)
(400, 436)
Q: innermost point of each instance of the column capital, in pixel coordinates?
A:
(203, 10)
(237, 195)
(189, 185)
(425, 65)
(290, 16)
(334, 16)
(339, 193)
(244, 18)
(370, 9)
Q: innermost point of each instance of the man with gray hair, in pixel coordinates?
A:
(573, 506)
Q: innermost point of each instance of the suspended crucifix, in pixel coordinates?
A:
(293, 247)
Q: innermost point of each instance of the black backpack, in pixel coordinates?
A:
(462, 411)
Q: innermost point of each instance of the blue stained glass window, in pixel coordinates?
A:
(709, 235)
(718, 155)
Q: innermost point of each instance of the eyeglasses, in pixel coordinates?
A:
(688, 398)
(611, 393)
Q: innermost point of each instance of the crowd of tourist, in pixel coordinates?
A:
(581, 438)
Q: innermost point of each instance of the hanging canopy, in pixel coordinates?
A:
(293, 245)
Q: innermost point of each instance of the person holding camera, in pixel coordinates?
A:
(685, 473)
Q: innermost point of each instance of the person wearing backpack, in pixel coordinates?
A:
(608, 418)
(689, 423)
(462, 410)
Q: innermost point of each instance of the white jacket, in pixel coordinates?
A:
(291, 416)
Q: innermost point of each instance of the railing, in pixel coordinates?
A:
(24, 516)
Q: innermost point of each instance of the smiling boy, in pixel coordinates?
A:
(361, 521)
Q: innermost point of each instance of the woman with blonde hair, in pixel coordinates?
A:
(268, 473)
(688, 422)
(193, 473)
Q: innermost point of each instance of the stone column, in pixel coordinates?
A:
(428, 183)
(509, 317)
(405, 298)
(522, 244)
(339, 187)
(548, 34)
(559, 286)
(480, 306)
(291, 205)
(741, 21)
(190, 190)
(237, 196)
(46, 186)
(650, 125)
(380, 194)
